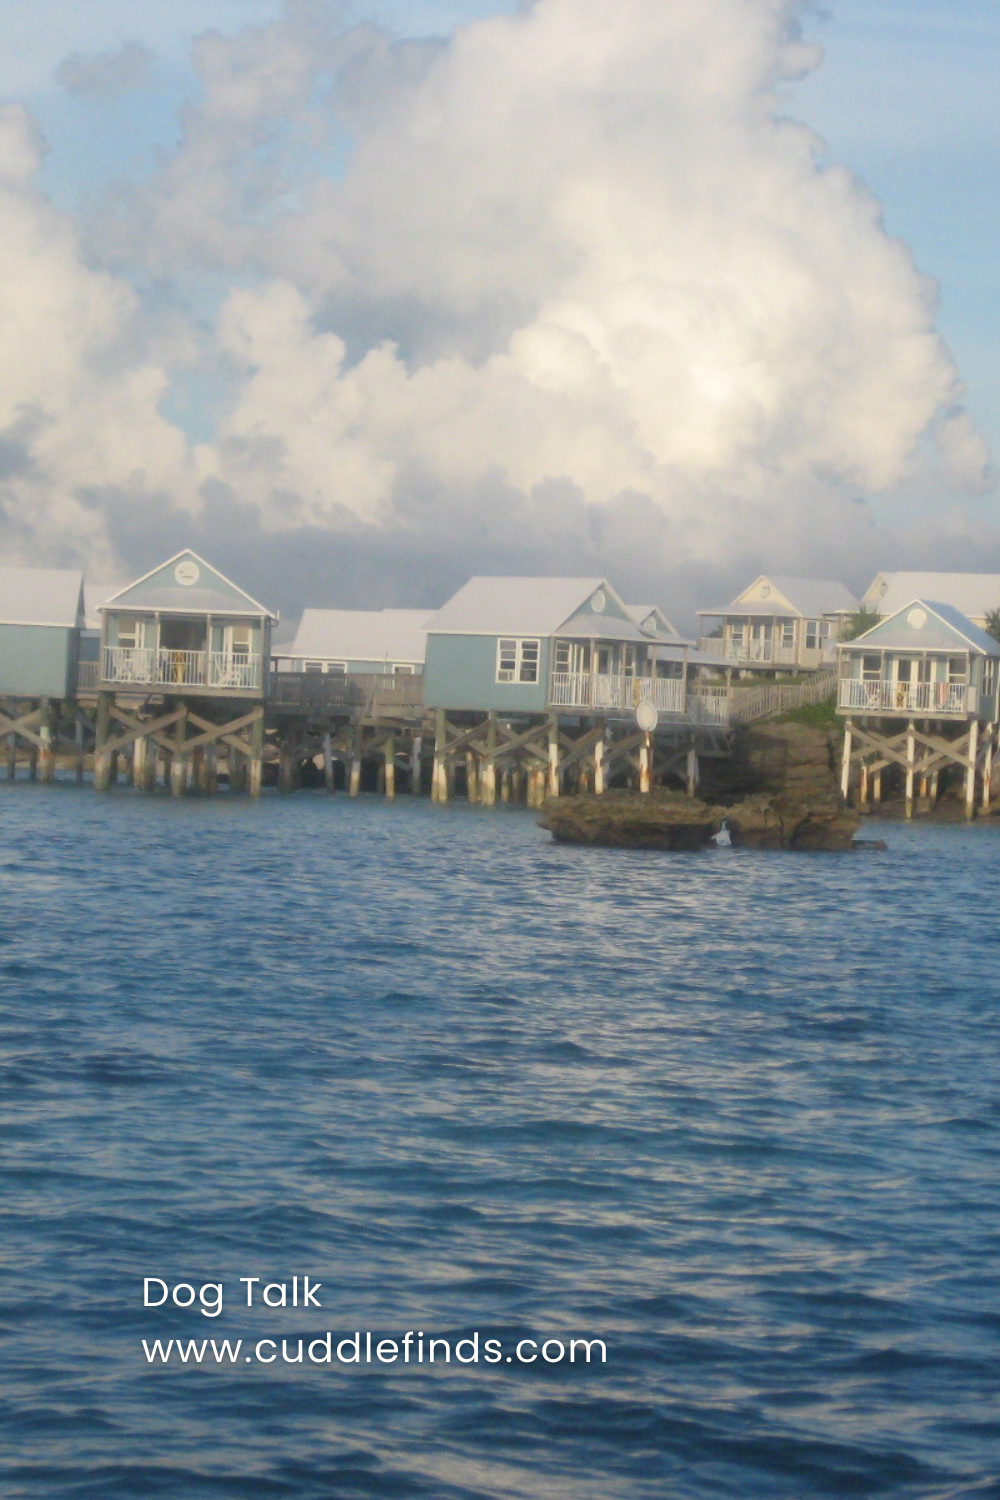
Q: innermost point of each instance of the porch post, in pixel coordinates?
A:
(599, 760)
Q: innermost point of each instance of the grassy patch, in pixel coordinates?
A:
(816, 715)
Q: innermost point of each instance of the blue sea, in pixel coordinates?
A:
(732, 1116)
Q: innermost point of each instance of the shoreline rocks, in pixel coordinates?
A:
(779, 790)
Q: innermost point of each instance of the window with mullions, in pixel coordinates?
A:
(517, 660)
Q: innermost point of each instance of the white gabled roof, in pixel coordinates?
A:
(40, 596)
(809, 598)
(973, 594)
(943, 624)
(641, 612)
(361, 635)
(204, 597)
(514, 606)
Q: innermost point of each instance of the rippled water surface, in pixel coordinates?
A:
(735, 1114)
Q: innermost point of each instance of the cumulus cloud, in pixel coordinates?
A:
(572, 263)
(78, 403)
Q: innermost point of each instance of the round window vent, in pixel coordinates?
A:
(765, 589)
(598, 602)
(917, 619)
(187, 572)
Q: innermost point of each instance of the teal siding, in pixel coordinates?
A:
(461, 672)
(38, 661)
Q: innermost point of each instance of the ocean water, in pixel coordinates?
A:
(733, 1114)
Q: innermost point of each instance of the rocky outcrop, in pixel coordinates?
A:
(779, 791)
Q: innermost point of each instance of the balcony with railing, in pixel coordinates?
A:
(931, 699)
(145, 667)
(763, 653)
(600, 693)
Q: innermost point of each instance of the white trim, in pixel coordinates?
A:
(924, 604)
(41, 625)
(188, 552)
(519, 642)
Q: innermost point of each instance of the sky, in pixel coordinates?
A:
(360, 297)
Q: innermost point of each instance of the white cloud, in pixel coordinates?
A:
(575, 250)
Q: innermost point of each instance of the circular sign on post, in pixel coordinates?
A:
(646, 715)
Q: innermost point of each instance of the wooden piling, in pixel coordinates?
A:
(970, 775)
(255, 776)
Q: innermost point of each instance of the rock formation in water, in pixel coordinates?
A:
(779, 790)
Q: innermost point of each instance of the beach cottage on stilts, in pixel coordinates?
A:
(918, 692)
(779, 624)
(183, 675)
(41, 616)
(539, 677)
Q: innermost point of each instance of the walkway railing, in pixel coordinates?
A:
(141, 666)
(750, 702)
(883, 696)
(367, 691)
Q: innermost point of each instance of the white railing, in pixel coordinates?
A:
(595, 691)
(749, 703)
(755, 653)
(883, 696)
(708, 705)
(146, 667)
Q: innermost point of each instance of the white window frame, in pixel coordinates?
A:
(131, 632)
(514, 660)
(239, 641)
(813, 635)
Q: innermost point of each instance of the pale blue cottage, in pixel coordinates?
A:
(41, 616)
(185, 628)
(543, 645)
(927, 660)
(919, 696)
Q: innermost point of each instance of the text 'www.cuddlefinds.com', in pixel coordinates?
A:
(359, 1347)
